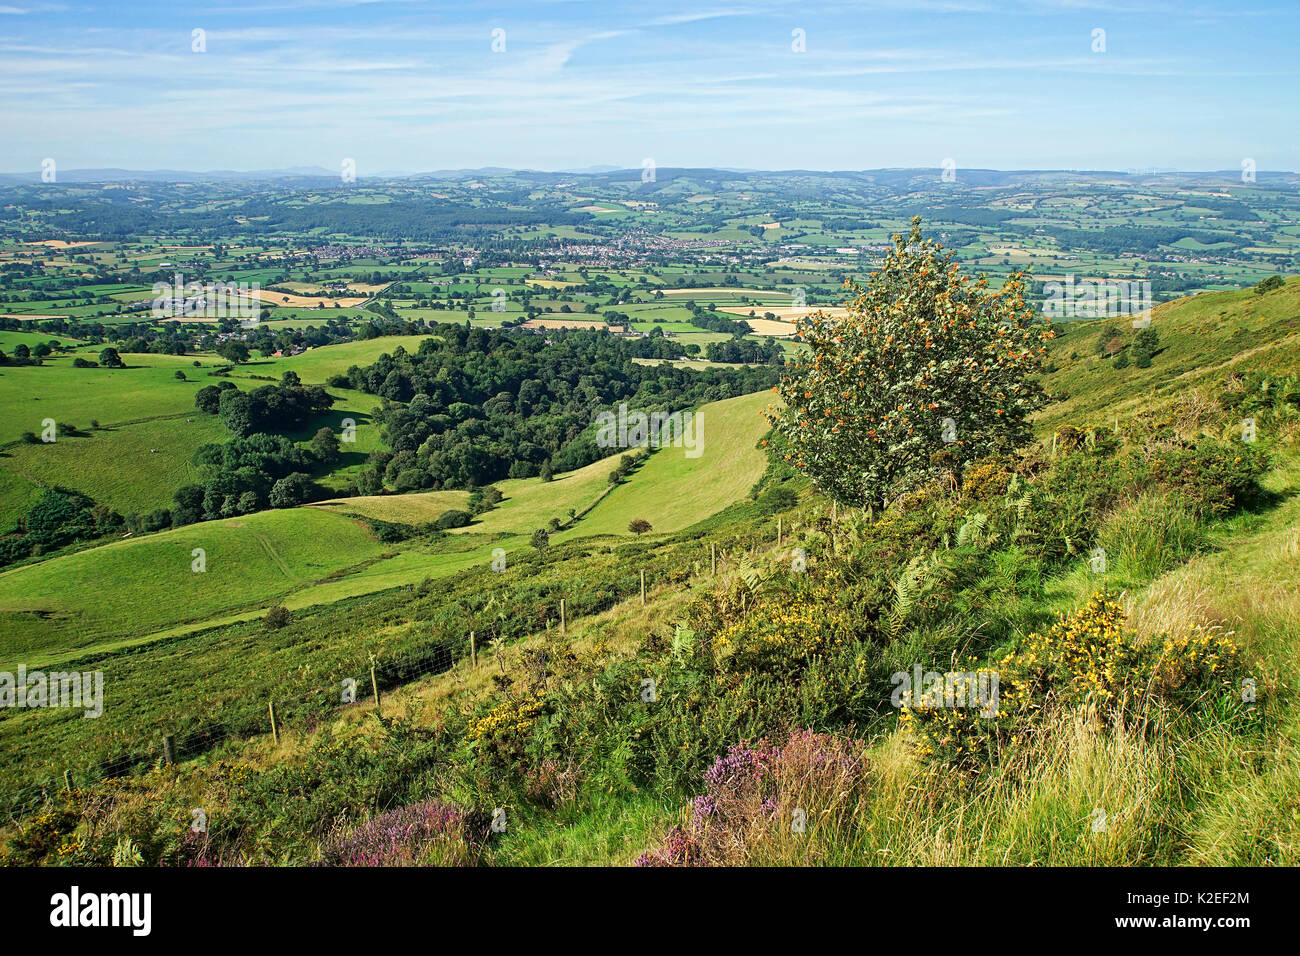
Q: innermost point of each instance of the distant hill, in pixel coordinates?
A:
(920, 176)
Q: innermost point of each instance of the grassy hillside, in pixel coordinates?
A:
(317, 365)
(147, 389)
(673, 491)
(1202, 339)
(320, 554)
(149, 427)
(46, 611)
(1123, 685)
(670, 490)
(149, 461)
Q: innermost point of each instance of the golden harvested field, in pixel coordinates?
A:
(551, 283)
(774, 328)
(564, 324)
(411, 509)
(306, 301)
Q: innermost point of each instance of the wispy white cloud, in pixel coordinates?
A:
(581, 84)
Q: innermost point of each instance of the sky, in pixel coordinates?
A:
(401, 85)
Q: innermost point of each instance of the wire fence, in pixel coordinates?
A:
(325, 702)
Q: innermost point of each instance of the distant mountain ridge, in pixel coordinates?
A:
(972, 176)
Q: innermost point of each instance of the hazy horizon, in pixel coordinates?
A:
(596, 169)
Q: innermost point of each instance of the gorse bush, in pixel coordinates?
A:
(1091, 659)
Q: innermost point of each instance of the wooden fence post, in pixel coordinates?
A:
(473, 650)
(713, 556)
(275, 731)
(374, 685)
(643, 587)
(67, 780)
(778, 531)
(561, 615)
(169, 749)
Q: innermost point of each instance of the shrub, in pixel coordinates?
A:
(1269, 285)
(786, 633)
(1088, 658)
(278, 617)
(501, 735)
(1214, 477)
(985, 480)
(429, 833)
(770, 804)
(453, 518)
(778, 498)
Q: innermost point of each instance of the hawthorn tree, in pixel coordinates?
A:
(928, 371)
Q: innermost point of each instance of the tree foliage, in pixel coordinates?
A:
(928, 371)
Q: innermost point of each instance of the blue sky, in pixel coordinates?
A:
(409, 86)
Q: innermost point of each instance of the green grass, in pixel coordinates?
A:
(17, 494)
(129, 468)
(407, 509)
(134, 586)
(149, 430)
(147, 389)
(316, 365)
(672, 491)
(1202, 339)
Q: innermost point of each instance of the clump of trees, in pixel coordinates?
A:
(1264, 286)
(245, 475)
(746, 351)
(474, 406)
(927, 372)
(58, 517)
(272, 408)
